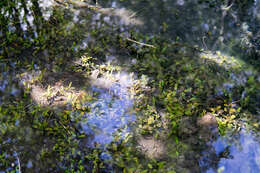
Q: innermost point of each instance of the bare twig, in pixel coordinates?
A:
(143, 44)
(19, 164)
(79, 4)
(64, 127)
(135, 13)
(203, 41)
(235, 101)
(224, 13)
(226, 8)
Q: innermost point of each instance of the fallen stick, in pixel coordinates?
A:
(143, 44)
(19, 164)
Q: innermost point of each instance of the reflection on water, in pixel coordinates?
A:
(244, 154)
(212, 29)
(211, 26)
(46, 7)
(9, 85)
(185, 20)
(109, 113)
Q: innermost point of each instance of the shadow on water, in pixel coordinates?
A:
(80, 136)
(229, 26)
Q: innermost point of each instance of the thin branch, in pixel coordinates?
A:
(143, 44)
(64, 127)
(203, 41)
(226, 8)
(135, 13)
(19, 164)
(224, 13)
(235, 101)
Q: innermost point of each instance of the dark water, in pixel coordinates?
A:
(209, 27)
(201, 19)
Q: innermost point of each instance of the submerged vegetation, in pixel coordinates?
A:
(83, 89)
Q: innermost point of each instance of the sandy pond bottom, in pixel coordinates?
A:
(111, 115)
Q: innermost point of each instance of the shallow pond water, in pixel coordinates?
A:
(219, 29)
(110, 112)
(200, 19)
(241, 155)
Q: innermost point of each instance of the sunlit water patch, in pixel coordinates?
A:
(46, 8)
(239, 155)
(111, 112)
